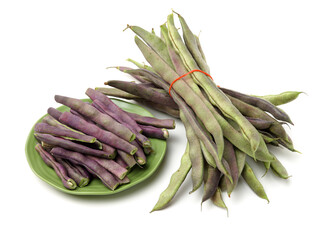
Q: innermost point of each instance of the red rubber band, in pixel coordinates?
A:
(195, 70)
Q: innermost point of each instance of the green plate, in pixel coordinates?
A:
(95, 187)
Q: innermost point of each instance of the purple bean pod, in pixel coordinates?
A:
(93, 94)
(259, 123)
(127, 158)
(65, 133)
(74, 173)
(111, 166)
(120, 161)
(59, 169)
(152, 121)
(104, 120)
(60, 142)
(154, 132)
(143, 91)
(55, 113)
(77, 158)
(93, 130)
(143, 140)
(140, 155)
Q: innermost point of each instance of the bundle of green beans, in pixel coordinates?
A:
(222, 126)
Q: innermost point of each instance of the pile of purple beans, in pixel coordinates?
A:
(96, 139)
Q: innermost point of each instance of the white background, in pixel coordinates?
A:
(256, 47)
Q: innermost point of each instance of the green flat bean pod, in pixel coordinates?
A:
(195, 155)
(175, 182)
(156, 43)
(191, 44)
(281, 98)
(279, 169)
(218, 200)
(253, 182)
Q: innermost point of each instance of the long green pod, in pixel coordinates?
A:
(155, 42)
(191, 44)
(218, 200)
(176, 180)
(204, 114)
(281, 98)
(195, 155)
(207, 155)
(279, 169)
(200, 49)
(140, 65)
(214, 93)
(253, 182)
(114, 92)
(122, 69)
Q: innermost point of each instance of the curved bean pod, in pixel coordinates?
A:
(140, 65)
(218, 200)
(176, 180)
(282, 98)
(253, 182)
(195, 155)
(279, 169)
